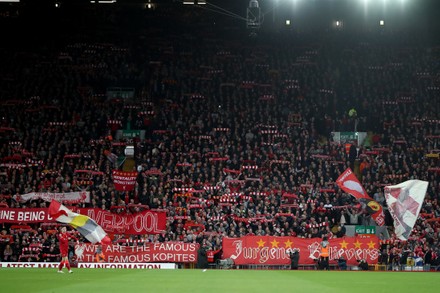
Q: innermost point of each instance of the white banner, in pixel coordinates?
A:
(67, 198)
(404, 202)
(108, 265)
(54, 265)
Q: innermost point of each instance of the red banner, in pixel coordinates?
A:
(348, 182)
(12, 215)
(145, 222)
(124, 181)
(271, 250)
(178, 252)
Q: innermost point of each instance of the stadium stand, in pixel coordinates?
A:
(236, 133)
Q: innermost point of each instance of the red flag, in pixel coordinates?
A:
(348, 182)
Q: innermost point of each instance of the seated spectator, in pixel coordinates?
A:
(342, 263)
(7, 253)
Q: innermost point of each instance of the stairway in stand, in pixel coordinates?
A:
(129, 165)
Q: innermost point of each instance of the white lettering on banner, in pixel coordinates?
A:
(348, 172)
(124, 182)
(52, 265)
(262, 254)
(238, 248)
(7, 215)
(147, 266)
(25, 215)
(134, 258)
(141, 222)
(314, 250)
(83, 196)
(274, 250)
(150, 252)
(30, 216)
(175, 246)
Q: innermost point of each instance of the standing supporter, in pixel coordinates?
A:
(294, 259)
(63, 238)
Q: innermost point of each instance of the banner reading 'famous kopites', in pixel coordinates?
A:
(179, 252)
(145, 222)
(273, 250)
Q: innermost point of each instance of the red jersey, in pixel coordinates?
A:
(63, 238)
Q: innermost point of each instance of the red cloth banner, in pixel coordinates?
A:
(178, 252)
(12, 215)
(124, 181)
(145, 222)
(271, 250)
(348, 182)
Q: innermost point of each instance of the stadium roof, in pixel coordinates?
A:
(396, 14)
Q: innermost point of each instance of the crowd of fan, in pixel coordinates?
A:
(245, 123)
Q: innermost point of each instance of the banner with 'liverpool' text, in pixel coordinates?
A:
(271, 250)
(145, 222)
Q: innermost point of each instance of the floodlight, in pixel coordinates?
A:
(102, 1)
(381, 22)
(253, 4)
(338, 24)
(287, 21)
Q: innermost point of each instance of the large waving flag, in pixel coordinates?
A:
(404, 203)
(348, 182)
(85, 225)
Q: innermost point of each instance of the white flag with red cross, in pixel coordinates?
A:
(404, 202)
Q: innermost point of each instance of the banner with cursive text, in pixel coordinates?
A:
(271, 250)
